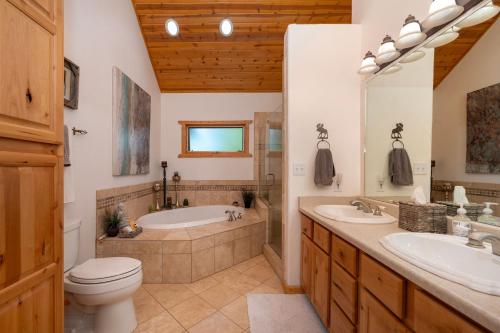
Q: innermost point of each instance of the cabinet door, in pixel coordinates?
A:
(432, 316)
(27, 77)
(31, 311)
(375, 318)
(306, 264)
(321, 284)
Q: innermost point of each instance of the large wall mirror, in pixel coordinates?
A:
(439, 115)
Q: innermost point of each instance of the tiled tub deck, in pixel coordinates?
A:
(186, 255)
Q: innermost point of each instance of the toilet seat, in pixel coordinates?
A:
(102, 270)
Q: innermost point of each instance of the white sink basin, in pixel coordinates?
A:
(350, 214)
(448, 257)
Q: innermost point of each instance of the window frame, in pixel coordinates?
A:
(186, 124)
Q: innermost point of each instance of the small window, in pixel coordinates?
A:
(215, 138)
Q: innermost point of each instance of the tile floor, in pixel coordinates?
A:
(214, 304)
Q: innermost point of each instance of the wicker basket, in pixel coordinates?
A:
(423, 218)
(474, 210)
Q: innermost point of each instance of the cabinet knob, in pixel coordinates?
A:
(1, 259)
(29, 97)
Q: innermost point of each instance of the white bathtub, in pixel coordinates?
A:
(187, 217)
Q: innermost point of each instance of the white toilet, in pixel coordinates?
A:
(103, 287)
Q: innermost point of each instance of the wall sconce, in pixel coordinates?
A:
(412, 57)
(445, 38)
(411, 34)
(441, 12)
(481, 15)
(387, 51)
(368, 65)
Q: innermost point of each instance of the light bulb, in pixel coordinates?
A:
(411, 34)
(226, 27)
(172, 27)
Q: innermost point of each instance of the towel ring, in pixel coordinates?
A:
(317, 146)
(401, 142)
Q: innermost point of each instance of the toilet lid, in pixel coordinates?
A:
(102, 270)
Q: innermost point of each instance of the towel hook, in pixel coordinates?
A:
(323, 134)
(78, 131)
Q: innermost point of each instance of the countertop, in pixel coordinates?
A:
(480, 307)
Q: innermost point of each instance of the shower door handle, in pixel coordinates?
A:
(273, 177)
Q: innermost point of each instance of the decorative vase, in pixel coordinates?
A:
(112, 230)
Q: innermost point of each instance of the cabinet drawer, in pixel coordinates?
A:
(345, 255)
(27, 82)
(432, 316)
(386, 285)
(322, 237)
(307, 226)
(344, 291)
(339, 322)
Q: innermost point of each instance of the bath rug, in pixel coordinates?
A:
(278, 313)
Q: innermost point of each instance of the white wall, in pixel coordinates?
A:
(99, 35)
(322, 86)
(406, 97)
(478, 69)
(211, 106)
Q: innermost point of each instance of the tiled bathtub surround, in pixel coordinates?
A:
(189, 254)
(210, 192)
(138, 198)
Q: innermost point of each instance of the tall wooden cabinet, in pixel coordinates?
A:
(31, 150)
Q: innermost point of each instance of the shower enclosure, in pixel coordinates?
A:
(268, 127)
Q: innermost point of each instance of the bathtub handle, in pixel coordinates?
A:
(240, 216)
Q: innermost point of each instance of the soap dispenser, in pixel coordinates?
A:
(487, 216)
(461, 224)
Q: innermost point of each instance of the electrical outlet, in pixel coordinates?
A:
(299, 169)
(420, 168)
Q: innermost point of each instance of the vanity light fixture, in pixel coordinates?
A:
(411, 34)
(481, 15)
(441, 12)
(387, 51)
(172, 27)
(393, 69)
(226, 27)
(368, 65)
(412, 57)
(445, 38)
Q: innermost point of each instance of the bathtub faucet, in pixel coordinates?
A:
(232, 215)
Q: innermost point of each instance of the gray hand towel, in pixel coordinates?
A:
(67, 161)
(324, 169)
(400, 170)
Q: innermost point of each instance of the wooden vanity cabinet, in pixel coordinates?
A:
(353, 292)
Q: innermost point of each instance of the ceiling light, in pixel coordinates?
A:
(393, 69)
(411, 34)
(441, 12)
(479, 16)
(445, 38)
(172, 27)
(412, 57)
(368, 65)
(226, 27)
(387, 51)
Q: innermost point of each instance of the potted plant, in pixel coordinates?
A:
(248, 197)
(111, 222)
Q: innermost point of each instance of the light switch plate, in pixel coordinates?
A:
(299, 169)
(420, 168)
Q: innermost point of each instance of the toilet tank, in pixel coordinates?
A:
(71, 242)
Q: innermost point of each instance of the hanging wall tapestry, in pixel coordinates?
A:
(131, 126)
(483, 130)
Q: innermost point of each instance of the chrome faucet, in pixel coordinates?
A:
(362, 206)
(476, 240)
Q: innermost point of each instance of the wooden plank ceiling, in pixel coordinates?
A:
(201, 60)
(448, 56)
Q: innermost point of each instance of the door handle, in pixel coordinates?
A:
(29, 97)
